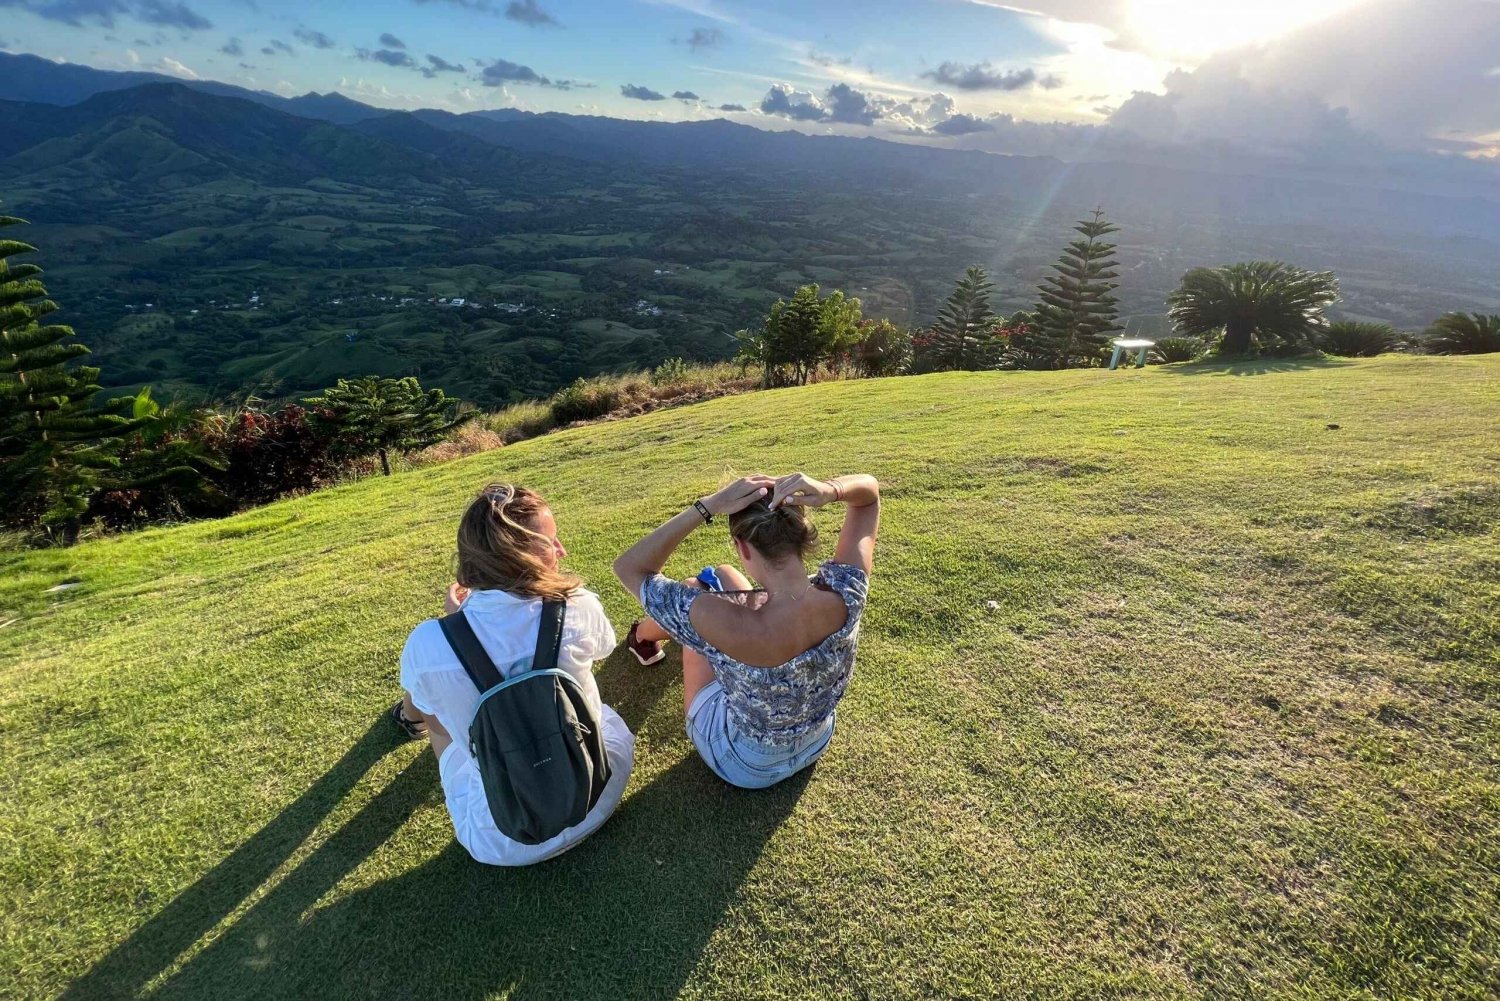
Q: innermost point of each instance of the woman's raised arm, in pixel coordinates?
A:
(646, 558)
(860, 491)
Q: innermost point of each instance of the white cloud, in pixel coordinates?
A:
(1412, 74)
(177, 69)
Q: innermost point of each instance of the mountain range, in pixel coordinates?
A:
(179, 188)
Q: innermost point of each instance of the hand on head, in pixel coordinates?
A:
(802, 490)
(740, 494)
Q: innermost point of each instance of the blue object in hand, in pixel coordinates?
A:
(711, 580)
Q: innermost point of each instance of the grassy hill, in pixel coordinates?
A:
(1168, 689)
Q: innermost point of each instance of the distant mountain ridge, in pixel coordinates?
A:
(35, 80)
(221, 242)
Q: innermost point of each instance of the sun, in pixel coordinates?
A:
(1196, 28)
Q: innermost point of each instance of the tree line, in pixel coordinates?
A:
(67, 460)
(1234, 311)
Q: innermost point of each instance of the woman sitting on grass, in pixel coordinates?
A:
(508, 556)
(762, 670)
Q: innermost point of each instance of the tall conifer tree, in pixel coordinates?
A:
(1077, 311)
(53, 441)
(962, 334)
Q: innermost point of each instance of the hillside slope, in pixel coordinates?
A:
(1229, 728)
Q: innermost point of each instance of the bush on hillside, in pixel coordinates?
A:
(882, 349)
(671, 372)
(270, 454)
(471, 439)
(1463, 334)
(520, 421)
(1353, 339)
(1175, 349)
(584, 400)
(164, 461)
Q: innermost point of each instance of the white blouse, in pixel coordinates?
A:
(506, 625)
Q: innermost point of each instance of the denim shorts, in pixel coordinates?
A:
(738, 760)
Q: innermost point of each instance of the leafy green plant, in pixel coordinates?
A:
(271, 453)
(1175, 349)
(584, 400)
(165, 462)
(1463, 334)
(1265, 304)
(801, 334)
(1354, 339)
(882, 349)
(377, 416)
(671, 372)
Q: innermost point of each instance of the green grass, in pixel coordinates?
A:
(1228, 729)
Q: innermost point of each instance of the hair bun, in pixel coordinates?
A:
(775, 532)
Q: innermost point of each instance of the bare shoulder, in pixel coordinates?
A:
(773, 635)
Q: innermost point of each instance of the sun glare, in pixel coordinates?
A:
(1195, 28)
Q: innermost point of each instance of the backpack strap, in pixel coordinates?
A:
(549, 635)
(477, 664)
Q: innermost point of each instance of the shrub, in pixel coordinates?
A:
(270, 454)
(1463, 334)
(523, 420)
(584, 400)
(1173, 349)
(470, 439)
(1351, 339)
(162, 462)
(882, 349)
(672, 372)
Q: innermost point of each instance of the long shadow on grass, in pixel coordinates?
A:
(1258, 366)
(195, 912)
(625, 914)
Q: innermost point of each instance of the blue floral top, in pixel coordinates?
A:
(772, 705)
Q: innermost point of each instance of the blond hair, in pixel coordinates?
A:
(500, 550)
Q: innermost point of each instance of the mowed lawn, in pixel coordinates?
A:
(1168, 688)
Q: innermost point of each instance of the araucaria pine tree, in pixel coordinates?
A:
(961, 337)
(374, 415)
(53, 442)
(1077, 311)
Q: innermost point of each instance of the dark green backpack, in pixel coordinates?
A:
(538, 742)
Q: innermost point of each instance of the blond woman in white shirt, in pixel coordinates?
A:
(509, 557)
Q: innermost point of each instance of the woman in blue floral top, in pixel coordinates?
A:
(763, 668)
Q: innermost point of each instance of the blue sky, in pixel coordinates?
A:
(724, 51)
(1294, 79)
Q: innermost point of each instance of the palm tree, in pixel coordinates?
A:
(1266, 301)
(1356, 339)
(1463, 334)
